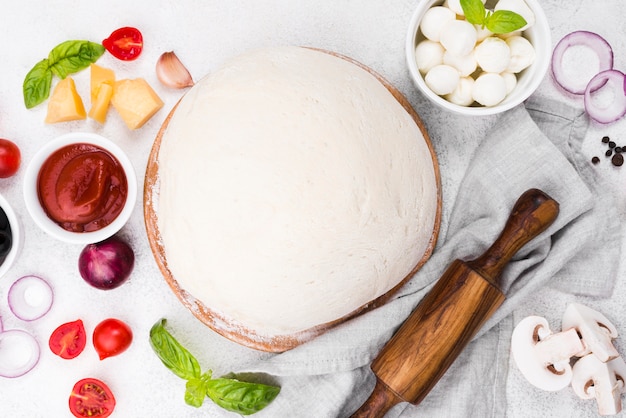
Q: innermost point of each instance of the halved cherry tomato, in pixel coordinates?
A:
(91, 398)
(68, 340)
(10, 158)
(124, 43)
(111, 337)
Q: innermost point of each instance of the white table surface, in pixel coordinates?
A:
(204, 33)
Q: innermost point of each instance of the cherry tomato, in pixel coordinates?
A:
(68, 340)
(10, 158)
(124, 43)
(91, 398)
(111, 337)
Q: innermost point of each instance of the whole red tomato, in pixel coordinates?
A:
(111, 337)
(10, 158)
(124, 43)
(91, 398)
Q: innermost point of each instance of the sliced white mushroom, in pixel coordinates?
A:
(596, 331)
(604, 382)
(543, 357)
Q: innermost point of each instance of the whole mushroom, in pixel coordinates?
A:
(596, 331)
(543, 357)
(593, 378)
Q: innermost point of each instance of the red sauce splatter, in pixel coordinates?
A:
(82, 187)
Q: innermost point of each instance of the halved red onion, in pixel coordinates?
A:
(606, 109)
(19, 353)
(591, 40)
(30, 298)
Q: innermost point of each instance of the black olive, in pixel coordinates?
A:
(6, 236)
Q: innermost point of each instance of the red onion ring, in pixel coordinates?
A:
(30, 298)
(19, 353)
(591, 40)
(609, 79)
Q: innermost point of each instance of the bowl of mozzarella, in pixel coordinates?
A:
(469, 69)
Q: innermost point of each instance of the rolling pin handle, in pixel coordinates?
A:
(533, 212)
(379, 403)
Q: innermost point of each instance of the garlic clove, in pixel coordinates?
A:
(171, 71)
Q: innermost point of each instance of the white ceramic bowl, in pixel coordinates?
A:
(527, 81)
(16, 236)
(39, 215)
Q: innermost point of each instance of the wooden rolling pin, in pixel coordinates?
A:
(449, 316)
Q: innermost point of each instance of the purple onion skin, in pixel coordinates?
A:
(107, 264)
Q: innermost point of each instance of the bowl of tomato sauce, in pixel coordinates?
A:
(80, 188)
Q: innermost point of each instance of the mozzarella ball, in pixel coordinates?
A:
(482, 33)
(520, 7)
(465, 64)
(510, 81)
(428, 54)
(522, 53)
(462, 95)
(455, 6)
(442, 79)
(434, 20)
(458, 37)
(493, 55)
(489, 89)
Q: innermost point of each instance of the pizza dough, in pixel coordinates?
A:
(293, 189)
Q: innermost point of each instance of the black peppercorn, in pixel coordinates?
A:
(618, 160)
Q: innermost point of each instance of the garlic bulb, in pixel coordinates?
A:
(171, 72)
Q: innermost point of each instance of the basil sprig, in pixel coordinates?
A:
(66, 58)
(500, 21)
(227, 392)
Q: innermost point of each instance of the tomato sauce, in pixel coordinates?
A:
(82, 187)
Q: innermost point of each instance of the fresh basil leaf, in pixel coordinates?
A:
(72, 56)
(36, 87)
(195, 390)
(241, 397)
(172, 353)
(474, 11)
(505, 21)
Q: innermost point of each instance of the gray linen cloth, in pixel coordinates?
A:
(536, 145)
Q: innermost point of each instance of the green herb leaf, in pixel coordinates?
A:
(474, 11)
(36, 87)
(72, 56)
(241, 397)
(64, 59)
(504, 21)
(196, 389)
(172, 353)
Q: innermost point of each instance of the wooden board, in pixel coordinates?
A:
(227, 327)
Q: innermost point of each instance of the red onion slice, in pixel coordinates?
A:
(19, 353)
(592, 41)
(610, 82)
(30, 298)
